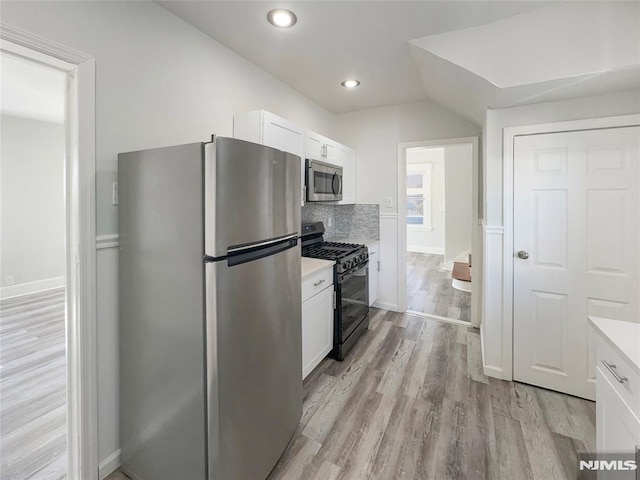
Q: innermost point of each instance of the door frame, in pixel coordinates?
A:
(79, 68)
(508, 169)
(401, 280)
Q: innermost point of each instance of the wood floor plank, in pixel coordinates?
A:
(429, 288)
(511, 450)
(410, 402)
(33, 387)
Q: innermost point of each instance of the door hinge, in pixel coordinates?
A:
(335, 300)
(378, 266)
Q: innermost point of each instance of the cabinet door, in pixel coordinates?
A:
(330, 151)
(347, 160)
(317, 329)
(617, 428)
(284, 135)
(373, 276)
(314, 146)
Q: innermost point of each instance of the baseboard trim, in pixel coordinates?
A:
(438, 318)
(31, 287)
(431, 250)
(491, 371)
(387, 306)
(109, 465)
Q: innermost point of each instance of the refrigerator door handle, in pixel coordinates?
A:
(236, 250)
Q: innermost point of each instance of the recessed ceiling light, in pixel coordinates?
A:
(350, 83)
(282, 18)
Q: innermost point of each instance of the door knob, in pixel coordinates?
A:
(523, 255)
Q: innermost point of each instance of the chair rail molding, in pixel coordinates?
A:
(107, 241)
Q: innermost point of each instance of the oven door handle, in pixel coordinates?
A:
(346, 276)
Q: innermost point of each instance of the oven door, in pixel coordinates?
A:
(353, 300)
(324, 182)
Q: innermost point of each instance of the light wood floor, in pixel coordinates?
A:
(33, 387)
(411, 402)
(429, 289)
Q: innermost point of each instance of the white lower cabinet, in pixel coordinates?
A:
(317, 323)
(617, 408)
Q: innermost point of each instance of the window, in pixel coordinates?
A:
(419, 195)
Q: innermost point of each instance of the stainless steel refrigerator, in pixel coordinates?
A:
(210, 310)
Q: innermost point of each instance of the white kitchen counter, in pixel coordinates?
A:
(313, 265)
(361, 241)
(623, 336)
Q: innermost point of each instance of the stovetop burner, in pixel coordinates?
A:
(330, 250)
(348, 256)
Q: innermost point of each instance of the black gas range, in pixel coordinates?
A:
(351, 282)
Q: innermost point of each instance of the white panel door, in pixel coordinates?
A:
(576, 223)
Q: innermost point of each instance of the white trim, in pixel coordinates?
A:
(438, 318)
(494, 372)
(386, 306)
(388, 215)
(29, 288)
(509, 134)
(109, 465)
(107, 241)
(421, 249)
(402, 206)
(79, 68)
(493, 229)
(419, 228)
(42, 45)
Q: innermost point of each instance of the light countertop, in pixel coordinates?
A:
(623, 336)
(313, 265)
(361, 241)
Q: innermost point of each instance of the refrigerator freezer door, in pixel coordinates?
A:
(252, 194)
(254, 362)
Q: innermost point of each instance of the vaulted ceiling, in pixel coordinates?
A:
(464, 55)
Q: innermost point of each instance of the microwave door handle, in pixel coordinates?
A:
(339, 183)
(333, 183)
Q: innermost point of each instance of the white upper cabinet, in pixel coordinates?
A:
(268, 129)
(346, 158)
(320, 148)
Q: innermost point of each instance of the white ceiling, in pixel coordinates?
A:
(561, 50)
(465, 55)
(335, 40)
(31, 91)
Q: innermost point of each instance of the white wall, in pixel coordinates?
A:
(32, 232)
(459, 200)
(496, 355)
(375, 134)
(429, 240)
(159, 82)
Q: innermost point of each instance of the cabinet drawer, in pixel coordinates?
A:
(316, 283)
(629, 389)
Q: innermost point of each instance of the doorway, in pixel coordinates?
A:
(437, 209)
(33, 361)
(48, 395)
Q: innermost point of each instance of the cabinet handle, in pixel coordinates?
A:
(319, 282)
(612, 368)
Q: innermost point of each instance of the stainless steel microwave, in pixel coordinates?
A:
(323, 181)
